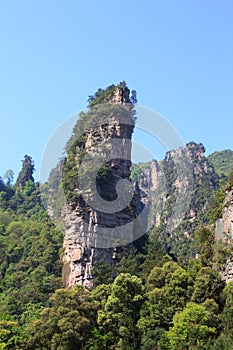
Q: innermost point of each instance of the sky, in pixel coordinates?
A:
(177, 55)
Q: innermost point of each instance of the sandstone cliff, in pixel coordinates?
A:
(179, 188)
(224, 232)
(93, 230)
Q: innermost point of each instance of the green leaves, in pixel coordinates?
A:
(26, 172)
(204, 238)
(171, 307)
(65, 325)
(222, 162)
(10, 333)
(29, 266)
(119, 313)
(191, 328)
(207, 284)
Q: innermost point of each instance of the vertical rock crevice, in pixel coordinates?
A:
(84, 225)
(224, 232)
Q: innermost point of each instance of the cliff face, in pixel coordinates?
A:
(224, 225)
(222, 161)
(92, 228)
(179, 188)
(98, 219)
(224, 231)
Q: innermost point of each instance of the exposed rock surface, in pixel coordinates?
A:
(224, 231)
(179, 188)
(85, 225)
(121, 96)
(224, 225)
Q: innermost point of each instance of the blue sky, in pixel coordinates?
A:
(177, 54)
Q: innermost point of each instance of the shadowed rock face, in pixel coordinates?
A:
(172, 188)
(224, 231)
(180, 187)
(224, 225)
(84, 225)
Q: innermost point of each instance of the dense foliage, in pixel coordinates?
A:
(222, 162)
(94, 122)
(154, 297)
(153, 302)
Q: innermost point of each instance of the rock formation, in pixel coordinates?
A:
(179, 188)
(90, 233)
(26, 174)
(224, 231)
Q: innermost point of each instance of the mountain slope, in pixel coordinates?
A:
(222, 161)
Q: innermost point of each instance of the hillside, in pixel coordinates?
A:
(222, 161)
(84, 287)
(151, 297)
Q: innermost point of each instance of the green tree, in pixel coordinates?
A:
(9, 335)
(154, 255)
(30, 265)
(66, 325)
(222, 162)
(118, 316)
(169, 290)
(133, 97)
(225, 340)
(230, 178)
(207, 285)
(26, 174)
(191, 328)
(228, 308)
(204, 239)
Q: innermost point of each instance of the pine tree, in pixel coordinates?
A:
(26, 173)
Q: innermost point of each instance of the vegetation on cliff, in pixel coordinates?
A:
(102, 106)
(222, 162)
(164, 291)
(159, 304)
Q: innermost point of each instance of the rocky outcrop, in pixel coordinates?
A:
(26, 174)
(93, 230)
(179, 188)
(224, 225)
(224, 231)
(121, 95)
